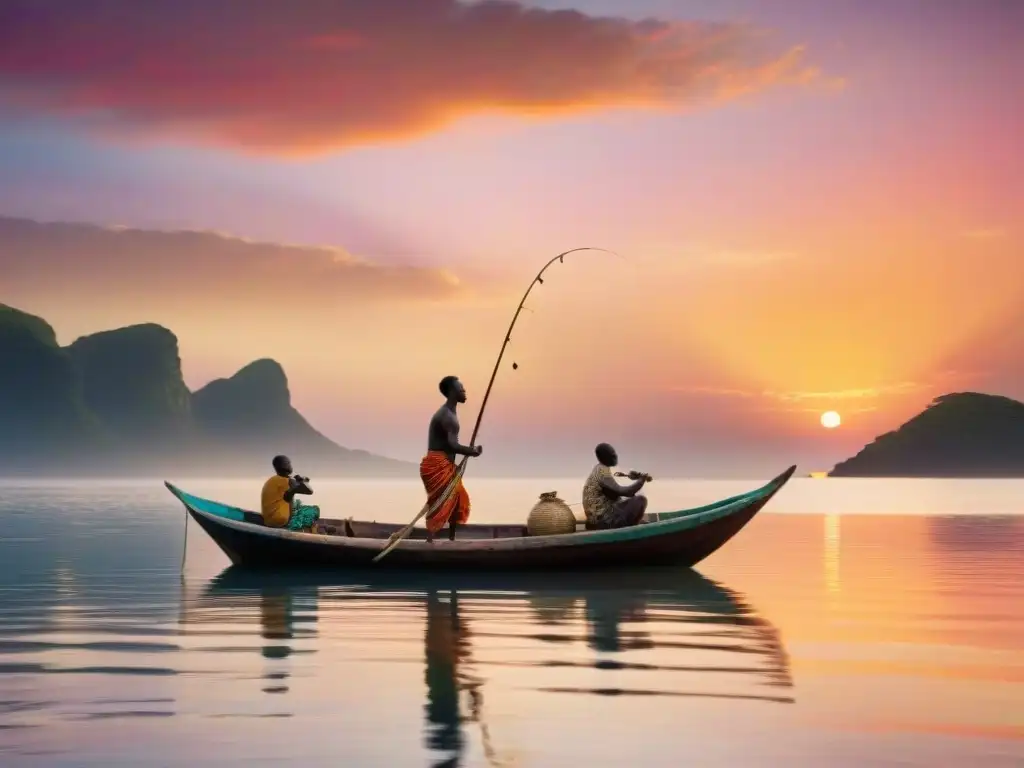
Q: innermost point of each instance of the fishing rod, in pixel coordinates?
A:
(430, 509)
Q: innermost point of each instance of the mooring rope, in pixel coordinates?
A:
(184, 543)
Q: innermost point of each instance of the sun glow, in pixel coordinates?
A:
(830, 420)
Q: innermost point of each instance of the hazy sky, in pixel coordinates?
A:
(819, 206)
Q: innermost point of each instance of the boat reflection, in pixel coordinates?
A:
(605, 616)
(690, 614)
(699, 638)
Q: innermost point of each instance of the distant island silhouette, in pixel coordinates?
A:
(963, 434)
(115, 404)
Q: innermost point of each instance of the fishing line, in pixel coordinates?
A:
(431, 509)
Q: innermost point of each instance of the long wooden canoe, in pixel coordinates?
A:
(683, 537)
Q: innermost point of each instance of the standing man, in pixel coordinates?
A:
(438, 467)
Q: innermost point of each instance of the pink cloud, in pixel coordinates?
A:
(308, 76)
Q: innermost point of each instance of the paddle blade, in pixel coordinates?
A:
(428, 509)
(393, 542)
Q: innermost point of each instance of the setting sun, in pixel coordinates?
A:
(830, 420)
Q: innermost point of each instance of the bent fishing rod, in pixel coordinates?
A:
(430, 509)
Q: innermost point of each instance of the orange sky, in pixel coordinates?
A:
(820, 212)
(723, 348)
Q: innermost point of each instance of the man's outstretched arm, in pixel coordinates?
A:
(453, 441)
(614, 489)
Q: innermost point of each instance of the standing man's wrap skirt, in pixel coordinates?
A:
(436, 472)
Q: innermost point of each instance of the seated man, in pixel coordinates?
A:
(608, 504)
(279, 506)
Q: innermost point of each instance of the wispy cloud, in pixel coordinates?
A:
(900, 388)
(306, 76)
(798, 397)
(847, 411)
(105, 262)
(852, 400)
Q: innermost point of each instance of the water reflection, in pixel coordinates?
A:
(691, 635)
(285, 612)
(908, 644)
(277, 622)
(447, 643)
(984, 534)
(452, 686)
(680, 612)
(605, 616)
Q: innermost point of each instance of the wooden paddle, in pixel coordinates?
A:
(430, 509)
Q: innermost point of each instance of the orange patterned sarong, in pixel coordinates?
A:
(436, 472)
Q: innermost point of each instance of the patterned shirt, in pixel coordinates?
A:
(596, 504)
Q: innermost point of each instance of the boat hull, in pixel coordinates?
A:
(682, 538)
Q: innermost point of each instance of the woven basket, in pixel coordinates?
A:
(550, 516)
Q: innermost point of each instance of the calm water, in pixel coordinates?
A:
(854, 623)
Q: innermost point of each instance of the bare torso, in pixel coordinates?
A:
(443, 433)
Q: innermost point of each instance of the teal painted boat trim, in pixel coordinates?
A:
(208, 506)
(658, 523)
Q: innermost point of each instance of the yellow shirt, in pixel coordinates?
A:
(276, 511)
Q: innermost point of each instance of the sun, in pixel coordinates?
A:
(830, 420)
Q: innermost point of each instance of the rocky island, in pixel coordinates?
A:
(115, 404)
(964, 434)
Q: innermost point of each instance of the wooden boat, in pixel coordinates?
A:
(683, 537)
